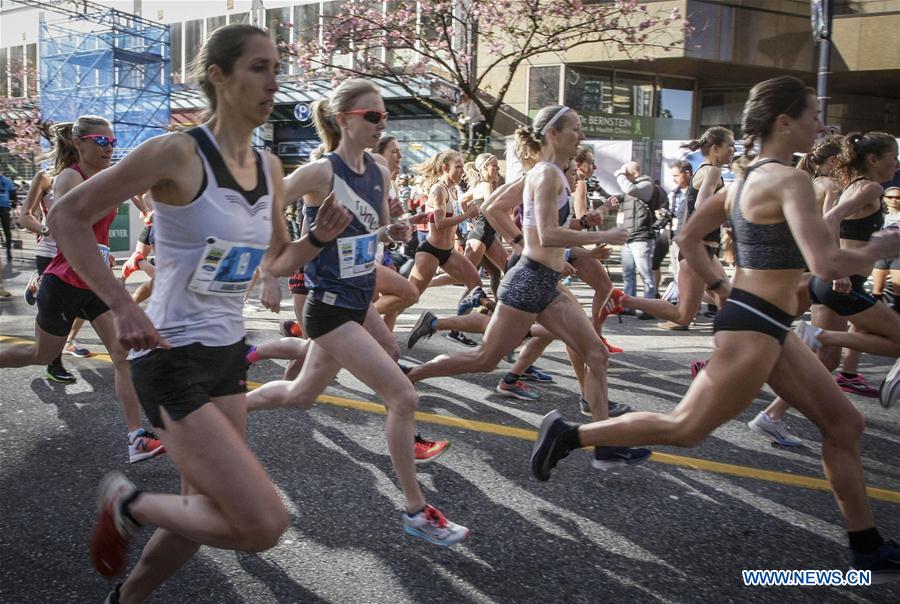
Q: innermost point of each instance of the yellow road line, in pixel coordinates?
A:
(807, 482)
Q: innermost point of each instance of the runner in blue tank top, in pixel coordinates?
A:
(343, 326)
(191, 379)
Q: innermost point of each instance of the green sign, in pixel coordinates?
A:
(632, 127)
(120, 231)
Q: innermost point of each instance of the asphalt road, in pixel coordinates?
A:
(661, 532)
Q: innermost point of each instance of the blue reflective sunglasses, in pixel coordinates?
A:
(100, 140)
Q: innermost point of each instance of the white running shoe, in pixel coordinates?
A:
(432, 526)
(774, 429)
(809, 334)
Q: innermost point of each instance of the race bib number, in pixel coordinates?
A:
(356, 255)
(226, 268)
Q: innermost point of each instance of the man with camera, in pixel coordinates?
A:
(638, 203)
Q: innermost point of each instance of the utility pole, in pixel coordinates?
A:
(821, 13)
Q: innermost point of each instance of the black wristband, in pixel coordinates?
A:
(518, 239)
(715, 285)
(315, 240)
(584, 224)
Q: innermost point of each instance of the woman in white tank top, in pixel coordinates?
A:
(218, 204)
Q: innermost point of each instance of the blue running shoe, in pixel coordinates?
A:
(534, 374)
(883, 562)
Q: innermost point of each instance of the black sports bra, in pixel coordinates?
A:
(691, 200)
(763, 246)
(861, 229)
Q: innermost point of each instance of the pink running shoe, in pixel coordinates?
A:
(697, 367)
(856, 385)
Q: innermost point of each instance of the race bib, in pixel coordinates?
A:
(356, 255)
(104, 251)
(226, 268)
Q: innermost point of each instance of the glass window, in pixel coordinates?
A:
(193, 37)
(4, 73)
(177, 61)
(239, 18)
(33, 73)
(278, 22)
(16, 71)
(632, 95)
(214, 23)
(588, 90)
(306, 23)
(543, 87)
(722, 108)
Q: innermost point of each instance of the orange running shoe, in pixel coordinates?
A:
(429, 450)
(613, 349)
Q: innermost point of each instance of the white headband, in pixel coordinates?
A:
(553, 120)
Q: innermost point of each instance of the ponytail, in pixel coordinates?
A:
(856, 147)
(715, 136)
(64, 152)
(431, 168)
(326, 128)
(342, 99)
(821, 151)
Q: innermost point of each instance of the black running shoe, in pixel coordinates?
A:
(461, 338)
(424, 329)
(58, 373)
(883, 562)
(113, 597)
(611, 457)
(548, 448)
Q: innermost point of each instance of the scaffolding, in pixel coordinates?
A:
(108, 63)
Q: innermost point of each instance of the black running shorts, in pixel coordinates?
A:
(185, 378)
(744, 311)
(59, 304)
(441, 255)
(320, 318)
(853, 302)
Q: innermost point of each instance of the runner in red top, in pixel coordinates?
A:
(81, 150)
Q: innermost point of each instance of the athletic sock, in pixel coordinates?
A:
(123, 506)
(253, 356)
(570, 439)
(511, 378)
(411, 514)
(865, 541)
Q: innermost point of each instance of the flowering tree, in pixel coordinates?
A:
(441, 39)
(22, 116)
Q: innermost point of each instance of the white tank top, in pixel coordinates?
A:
(206, 253)
(46, 245)
(529, 217)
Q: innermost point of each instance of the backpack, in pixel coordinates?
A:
(889, 392)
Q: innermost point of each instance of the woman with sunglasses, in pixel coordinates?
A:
(343, 327)
(778, 228)
(217, 216)
(82, 150)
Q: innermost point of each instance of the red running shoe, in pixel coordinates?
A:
(109, 541)
(131, 265)
(613, 305)
(429, 450)
(291, 329)
(612, 348)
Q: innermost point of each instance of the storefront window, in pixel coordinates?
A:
(306, 23)
(16, 71)
(214, 23)
(31, 62)
(587, 90)
(193, 37)
(722, 108)
(543, 87)
(4, 73)
(632, 96)
(239, 18)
